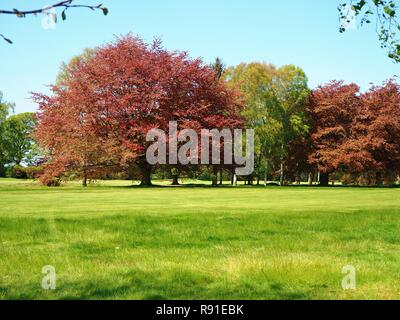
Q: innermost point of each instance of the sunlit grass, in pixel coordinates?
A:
(115, 241)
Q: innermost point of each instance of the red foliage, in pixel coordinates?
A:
(99, 118)
(375, 141)
(332, 109)
(356, 133)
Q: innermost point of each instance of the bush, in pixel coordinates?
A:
(17, 172)
(2, 171)
(53, 182)
(369, 179)
(20, 172)
(33, 172)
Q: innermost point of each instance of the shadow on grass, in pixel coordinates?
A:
(171, 285)
(269, 186)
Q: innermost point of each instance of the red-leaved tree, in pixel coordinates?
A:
(372, 153)
(332, 110)
(99, 117)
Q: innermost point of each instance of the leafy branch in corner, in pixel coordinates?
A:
(64, 5)
(386, 14)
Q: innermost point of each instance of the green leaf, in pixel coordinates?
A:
(105, 11)
(389, 11)
(63, 15)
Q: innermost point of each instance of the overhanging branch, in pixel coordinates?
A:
(66, 4)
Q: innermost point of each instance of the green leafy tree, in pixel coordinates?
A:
(385, 13)
(5, 109)
(275, 108)
(19, 145)
(219, 68)
(255, 82)
(66, 69)
(291, 91)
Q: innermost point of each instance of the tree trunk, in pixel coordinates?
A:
(175, 180)
(235, 180)
(84, 180)
(282, 175)
(2, 170)
(378, 179)
(266, 173)
(145, 174)
(310, 179)
(221, 178)
(324, 179)
(215, 177)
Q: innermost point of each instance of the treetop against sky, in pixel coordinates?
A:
(300, 32)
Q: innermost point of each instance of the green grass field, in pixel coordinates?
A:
(114, 241)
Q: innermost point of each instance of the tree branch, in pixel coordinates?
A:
(66, 4)
(6, 39)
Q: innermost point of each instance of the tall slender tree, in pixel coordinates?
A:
(276, 101)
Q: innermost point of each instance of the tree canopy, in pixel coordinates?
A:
(275, 103)
(17, 138)
(5, 109)
(100, 115)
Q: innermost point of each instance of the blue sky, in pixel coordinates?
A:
(300, 32)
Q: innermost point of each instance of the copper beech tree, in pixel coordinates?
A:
(372, 154)
(331, 110)
(98, 117)
(356, 134)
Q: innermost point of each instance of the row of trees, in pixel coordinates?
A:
(334, 130)
(107, 99)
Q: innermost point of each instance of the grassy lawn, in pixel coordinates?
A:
(114, 241)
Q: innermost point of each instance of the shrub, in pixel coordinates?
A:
(53, 182)
(17, 172)
(33, 172)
